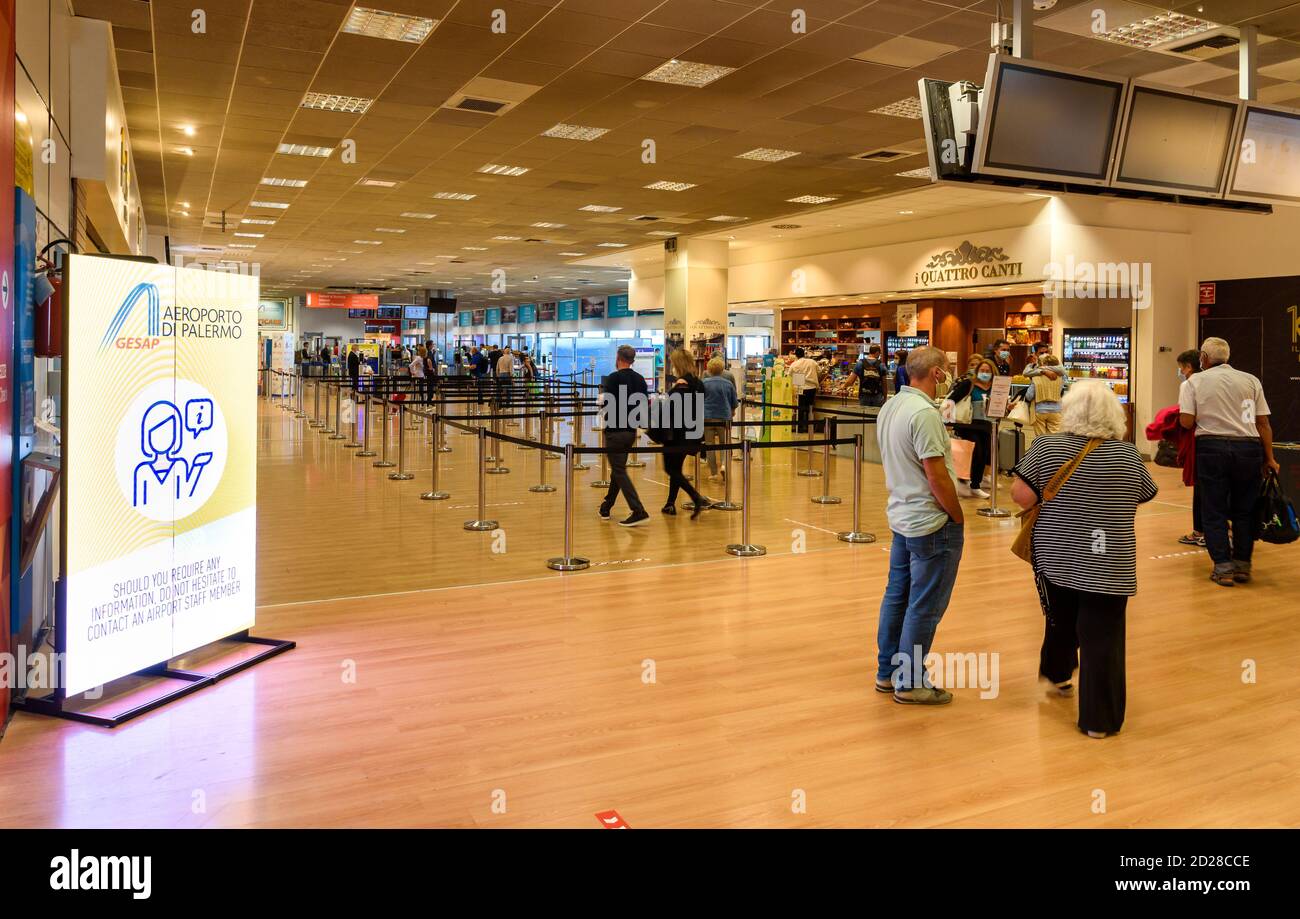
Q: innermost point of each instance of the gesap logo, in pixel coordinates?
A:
(103, 872)
(153, 323)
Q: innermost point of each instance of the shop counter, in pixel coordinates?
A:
(847, 426)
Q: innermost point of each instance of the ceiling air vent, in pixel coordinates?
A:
(533, 239)
(786, 226)
(645, 217)
(1208, 44)
(884, 155)
(471, 104)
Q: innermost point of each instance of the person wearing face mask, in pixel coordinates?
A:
(969, 398)
(1000, 356)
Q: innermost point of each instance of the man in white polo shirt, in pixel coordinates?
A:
(1234, 447)
(926, 519)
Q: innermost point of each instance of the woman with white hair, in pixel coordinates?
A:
(1088, 481)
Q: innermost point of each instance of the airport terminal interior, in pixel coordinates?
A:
(314, 316)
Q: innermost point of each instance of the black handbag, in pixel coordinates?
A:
(1167, 454)
(1276, 514)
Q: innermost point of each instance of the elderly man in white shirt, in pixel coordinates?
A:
(1234, 448)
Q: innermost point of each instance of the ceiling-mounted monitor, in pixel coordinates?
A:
(442, 304)
(1175, 141)
(1266, 164)
(1039, 121)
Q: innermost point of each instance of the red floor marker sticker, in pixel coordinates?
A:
(610, 820)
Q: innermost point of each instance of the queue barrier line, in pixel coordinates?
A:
(746, 548)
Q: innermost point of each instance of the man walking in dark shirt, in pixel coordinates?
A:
(624, 397)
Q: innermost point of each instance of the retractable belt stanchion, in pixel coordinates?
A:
(603, 481)
(726, 504)
(481, 523)
(498, 449)
(542, 486)
(298, 390)
(528, 431)
(495, 409)
(809, 472)
(568, 561)
(315, 414)
(337, 433)
(632, 461)
(352, 441)
(993, 510)
(578, 464)
(745, 548)
(440, 426)
(401, 475)
(365, 450)
(826, 497)
(549, 427)
(383, 462)
(856, 534)
(435, 493)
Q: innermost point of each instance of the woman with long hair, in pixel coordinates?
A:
(686, 386)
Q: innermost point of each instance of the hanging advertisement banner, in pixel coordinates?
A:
(160, 447)
(569, 310)
(617, 307)
(527, 313)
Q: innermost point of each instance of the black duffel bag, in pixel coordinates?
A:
(1277, 519)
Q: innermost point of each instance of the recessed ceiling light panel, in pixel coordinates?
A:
(574, 132)
(687, 73)
(332, 102)
(812, 199)
(767, 154)
(303, 150)
(669, 186)
(392, 26)
(285, 183)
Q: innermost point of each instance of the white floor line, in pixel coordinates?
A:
(810, 526)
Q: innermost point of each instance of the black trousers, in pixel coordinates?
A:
(673, 463)
(1229, 474)
(803, 414)
(1086, 630)
(619, 480)
(1198, 521)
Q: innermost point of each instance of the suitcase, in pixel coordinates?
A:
(1011, 446)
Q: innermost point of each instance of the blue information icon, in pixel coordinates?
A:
(166, 468)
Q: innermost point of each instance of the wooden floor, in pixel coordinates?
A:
(481, 677)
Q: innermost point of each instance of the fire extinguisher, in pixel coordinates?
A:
(47, 294)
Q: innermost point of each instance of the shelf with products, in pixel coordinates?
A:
(1099, 354)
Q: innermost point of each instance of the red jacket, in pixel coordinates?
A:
(1166, 426)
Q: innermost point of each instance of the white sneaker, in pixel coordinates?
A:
(987, 483)
(963, 489)
(979, 493)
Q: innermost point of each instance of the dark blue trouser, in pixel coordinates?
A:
(1229, 474)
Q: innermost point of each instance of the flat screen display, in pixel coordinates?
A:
(1176, 142)
(1268, 158)
(1049, 123)
(361, 314)
(388, 312)
(442, 304)
(419, 313)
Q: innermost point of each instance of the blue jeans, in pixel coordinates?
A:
(922, 570)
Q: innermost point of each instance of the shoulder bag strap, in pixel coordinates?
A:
(1064, 473)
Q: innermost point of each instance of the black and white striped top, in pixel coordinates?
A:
(1084, 536)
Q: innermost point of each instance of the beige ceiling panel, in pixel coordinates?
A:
(620, 63)
(656, 41)
(904, 51)
(544, 51)
(897, 17)
(726, 52)
(703, 18)
(222, 19)
(519, 17)
(133, 14)
(135, 61)
(301, 62)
